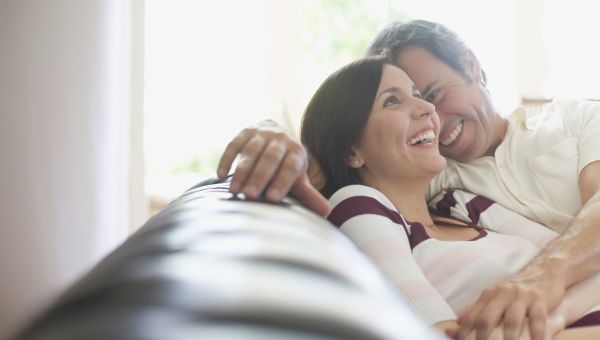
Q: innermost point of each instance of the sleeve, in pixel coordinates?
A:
(485, 213)
(584, 122)
(381, 234)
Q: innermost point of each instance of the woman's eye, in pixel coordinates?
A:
(390, 101)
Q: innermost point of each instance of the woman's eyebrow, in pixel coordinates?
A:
(393, 89)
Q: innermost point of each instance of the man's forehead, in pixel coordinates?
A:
(422, 67)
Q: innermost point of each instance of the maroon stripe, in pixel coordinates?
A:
(417, 234)
(361, 205)
(591, 319)
(482, 233)
(443, 206)
(477, 206)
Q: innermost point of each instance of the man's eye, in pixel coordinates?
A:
(390, 101)
(431, 96)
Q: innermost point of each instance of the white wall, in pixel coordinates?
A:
(532, 61)
(64, 145)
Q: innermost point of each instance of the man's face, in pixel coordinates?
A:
(468, 121)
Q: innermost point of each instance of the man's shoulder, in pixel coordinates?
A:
(570, 106)
(556, 112)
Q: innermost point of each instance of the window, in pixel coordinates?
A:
(570, 36)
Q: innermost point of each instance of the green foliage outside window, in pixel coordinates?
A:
(339, 31)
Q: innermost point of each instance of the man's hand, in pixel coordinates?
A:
(525, 297)
(271, 162)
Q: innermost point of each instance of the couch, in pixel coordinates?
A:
(215, 266)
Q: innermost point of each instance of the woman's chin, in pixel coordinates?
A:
(437, 165)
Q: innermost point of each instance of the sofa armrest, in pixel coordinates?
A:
(213, 266)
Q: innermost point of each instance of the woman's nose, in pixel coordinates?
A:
(423, 109)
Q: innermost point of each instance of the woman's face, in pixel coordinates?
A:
(400, 139)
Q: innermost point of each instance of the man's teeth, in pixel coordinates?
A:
(457, 130)
(426, 137)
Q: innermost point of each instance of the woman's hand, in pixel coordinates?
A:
(271, 162)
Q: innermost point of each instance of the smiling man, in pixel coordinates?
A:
(545, 167)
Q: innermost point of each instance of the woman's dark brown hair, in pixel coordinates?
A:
(336, 116)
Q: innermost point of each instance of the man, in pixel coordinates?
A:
(547, 169)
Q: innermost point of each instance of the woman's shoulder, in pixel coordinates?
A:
(359, 190)
(353, 200)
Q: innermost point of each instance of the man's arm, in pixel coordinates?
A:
(540, 287)
(272, 162)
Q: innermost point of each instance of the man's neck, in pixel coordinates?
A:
(499, 135)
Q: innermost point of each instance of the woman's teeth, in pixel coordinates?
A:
(457, 130)
(426, 137)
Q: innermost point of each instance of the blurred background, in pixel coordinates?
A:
(213, 68)
(111, 108)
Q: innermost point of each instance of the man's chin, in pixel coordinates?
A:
(463, 156)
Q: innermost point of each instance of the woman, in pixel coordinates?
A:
(376, 141)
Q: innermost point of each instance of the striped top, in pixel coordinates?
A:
(439, 279)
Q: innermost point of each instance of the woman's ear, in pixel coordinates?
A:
(355, 160)
(472, 66)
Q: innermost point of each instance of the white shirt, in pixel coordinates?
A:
(535, 170)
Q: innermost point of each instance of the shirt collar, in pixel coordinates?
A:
(521, 116)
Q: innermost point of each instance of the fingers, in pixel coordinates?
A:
(232, 150)
(289, 175)
(248, 158)
(513, 320)
(537, 320)
(265, 129)
(270, 161)
(292, 168)
(311, 197)
(510, 306)
(487, 312)
(467, 320)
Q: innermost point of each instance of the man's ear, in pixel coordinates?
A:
(472, 67)
(355, 159)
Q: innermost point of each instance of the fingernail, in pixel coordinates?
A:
(221, 173)
(234, 187)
